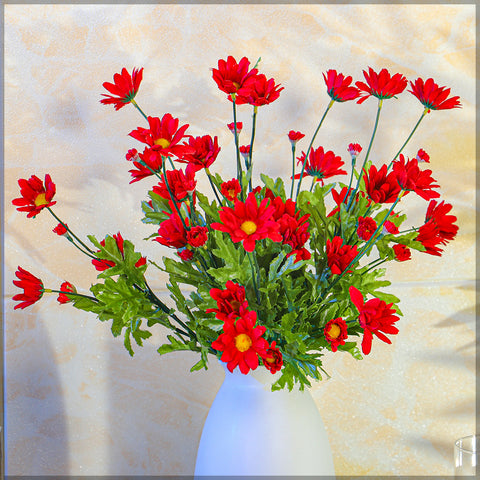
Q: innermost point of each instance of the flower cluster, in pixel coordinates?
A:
(278, 274)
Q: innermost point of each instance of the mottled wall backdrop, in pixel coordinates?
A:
(76, 402)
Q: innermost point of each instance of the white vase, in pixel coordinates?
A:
(251, 430)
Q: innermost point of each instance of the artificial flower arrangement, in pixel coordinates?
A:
(278, 280)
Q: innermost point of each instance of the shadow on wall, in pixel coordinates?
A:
(36, 435)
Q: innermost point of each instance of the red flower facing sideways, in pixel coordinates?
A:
(321, 165)
(273, 359)
(402, 253)
(231, 127)
(124, 88)
(380, 187)
(181, 184)
(336, 332)
(338, 86)
(32, 289)
(65, 288)
(172, 233)
(381, 85)
(432, 96)
(197, 236)
(258, 91)
(35, 196)
(366, 228)
(230, 75)
(375, 317)
(60, 229)
(339, 256)
(231, 301)
(354, 150)
(423, 156)
(203, 153)
(294, 137)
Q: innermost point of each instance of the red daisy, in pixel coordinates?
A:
(338, 86)
(125, 87)
(321, 164)
(273, 359)
(172, 233)
(412, 179)
(258, 91)
(34, 195)
(241, 343)
(32, 288)
(432, 96)
(402, 253)
(231, 301)
(180, 184)
(375, 317)
(339, 198)
(146, 164)
(366, 228)
(197, 236)
(339, 256)
(185, 254)
(230, 189)
(381, 85)
(230, 75)
(65, 288)
(336, 332)
(204, 151)
(248, 222)
(380, 187)
(294, 137)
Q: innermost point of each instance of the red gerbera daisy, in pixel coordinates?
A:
(125, 87)
(204, 151)
(231, 301)
(321, 164)
(172, 233)
(34, 195)
(294, 137)
(258, 91)
(338, 86)
(180, 184)
(230, 75)
(380, 187)
(230, 189)
(339, 256)
(336, 332)
(197, 236)
(375, 317)
(248, 222)
(402, 253)
(185, 254)
(273, 359)
(381, 85)
(146, 164)
(102, 265)
(242, 343)
(366, 228)
(432, 96)
(32, 288)
(65, 288)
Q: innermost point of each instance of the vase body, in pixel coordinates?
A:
(251, 430)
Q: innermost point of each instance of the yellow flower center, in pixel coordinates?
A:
(236, 85)
(231, 193)
(334, 331)
(41, 200)
(248, 227)
(163, 142)
(243, 342)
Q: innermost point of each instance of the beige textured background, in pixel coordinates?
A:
(76, 402)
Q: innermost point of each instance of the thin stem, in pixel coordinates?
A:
(239, 165)
(293, 169)
(50, 290)
(255, 286)
(313, 183)
(375, 264)
(134, 103)
(213, 186)
(310, 147)
(250, 154)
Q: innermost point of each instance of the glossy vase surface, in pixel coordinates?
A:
(251, 430)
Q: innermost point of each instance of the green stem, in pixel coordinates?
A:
(254, 121)
(293, 170)
(49, 290)
(134, 103)
(310, 147)
(255, 286)
(239, 165)
(213, 186)
(375, 264)
(313, 183)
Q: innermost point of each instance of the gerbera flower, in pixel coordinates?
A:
(248, 222)
(125, 87)
(375, 317)
(172, 233)
(336, 332)
(203, 153)
(185, 254)
(180, 184)
(230, 75)
(32, 288)
(321, 165)
(380, 187)
(294, 137)
(412, 179)
(366, 228)
(65, 288)
(241, 343)
(35, 196)
(339, 256)
(273, 359)
(146, 164)
(402, 252)
(432, 96)
(197, 236)
(258, 91)
(381, 85)
(230, 189)
(102, 265)
(231, 301)
(338, 86)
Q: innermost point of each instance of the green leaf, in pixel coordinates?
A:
(276, 186)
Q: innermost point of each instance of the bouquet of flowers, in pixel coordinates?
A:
(275, 278)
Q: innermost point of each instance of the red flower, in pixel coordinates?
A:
(248, 222)
(354, 150)
(231, 127)
(338, 86)
(412, 179)
(32, 289)
(245, 151)
(389, 227)
(34, 195)
(294, 137)
(321, 164)
(125, 88)
(181, 184)
(339, 256)
(423, 156)
(185, 254)
(366, 228)
(375, 317)
(231, 302)
(172, 233)
(380, 187)
(381, 85)
(242, 343)
(197, 236)
(340, 198)
(432, 96)
(402, 253)
(336, 332)
(273, 359)
(152, 161)
(204, 151)
(101, 264)
(231, 189)
(65, 288)
(230, 75)
(60, 229)
(258, 91)
(163, 136)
